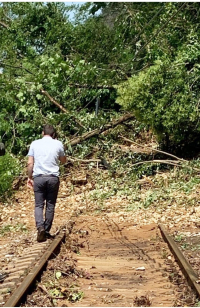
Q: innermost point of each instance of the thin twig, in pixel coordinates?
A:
(168, 162)
(44, 289)
(84, 160)
(158, 161)
(159, 151)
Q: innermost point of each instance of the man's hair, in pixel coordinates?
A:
(49, 130)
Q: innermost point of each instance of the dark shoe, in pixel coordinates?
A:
(49, 236)
(41, 236)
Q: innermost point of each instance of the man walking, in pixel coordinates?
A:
(43, 176)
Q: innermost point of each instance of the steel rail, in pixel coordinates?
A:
(28, 280)
(187, 269)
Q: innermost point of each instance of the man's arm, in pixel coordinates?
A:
(30, 171)
(62, 159)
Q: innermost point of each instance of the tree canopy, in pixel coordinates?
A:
(143, 57)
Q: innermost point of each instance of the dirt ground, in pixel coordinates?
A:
(121, 260)
(118, 256)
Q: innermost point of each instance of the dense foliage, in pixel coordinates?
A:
(10, 167)
(165, 95)
(136, 56)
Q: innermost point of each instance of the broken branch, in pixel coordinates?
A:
(87, 86)
(158, 161)
(168, 162)
(59, 106)
(3, 24)
(84, 160)
(155, 150)
(98, 131)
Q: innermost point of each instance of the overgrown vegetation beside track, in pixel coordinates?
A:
(10, 169)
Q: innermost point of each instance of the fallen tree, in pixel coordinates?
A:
(98, 131)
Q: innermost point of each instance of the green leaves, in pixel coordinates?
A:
(80, 61)
(58, 275)
(164, 95)
(9, 168)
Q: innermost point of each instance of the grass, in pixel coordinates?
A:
(179, 238)
(10, 228)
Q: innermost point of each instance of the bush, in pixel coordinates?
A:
(9, 168)
(165, 96)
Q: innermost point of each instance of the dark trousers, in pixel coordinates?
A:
(46, 191)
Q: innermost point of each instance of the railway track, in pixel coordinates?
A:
(21, 273)
(113, 281)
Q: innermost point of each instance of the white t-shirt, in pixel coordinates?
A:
(46, 153)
